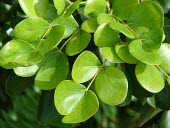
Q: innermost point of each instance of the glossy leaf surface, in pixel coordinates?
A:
(111, 85)
(104, 18)
(149, 77)
(19, 53)
(74, 102)
(85, 67)
(142, 53)
(165, 55)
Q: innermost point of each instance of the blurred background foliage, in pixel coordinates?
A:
(24, 106)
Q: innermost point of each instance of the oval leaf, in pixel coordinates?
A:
(149, 77)
(105, 36)
(165, 55)
(78, 43)
(85, 67)
(142, 53)
(111, 85)
(54, 70)
(31, 29)
(19, 53)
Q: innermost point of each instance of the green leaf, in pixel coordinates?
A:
(148, 14)
(54, 70)
(104, 18)
(34, 8)
(90, 25)
(72, 8)
(73, 101)
(123, 9)
(95, 7)
(19, 53)
(149, 77)
(52, 39)
(152, 39)
(69, 23)
(21, 84)
(85, 67)
(142, 53)
(111, 85)
(167, 29)
(122, 29)
(78, 43)
(59, 5)
(165, 5)
(123, 52)
(31, 29)
(105, 36)
(26, 71)
(165, 55)
(110, 54)
(162, 98)
(41, 7)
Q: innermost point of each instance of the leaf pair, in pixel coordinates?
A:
(78, 103)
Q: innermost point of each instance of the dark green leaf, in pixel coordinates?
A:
(111, 85)
(16, 85)
(78, 43)
(85, 67)
(54, 70)
(162, 98)
(149, 77)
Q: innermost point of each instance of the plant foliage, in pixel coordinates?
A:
(91, 52)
